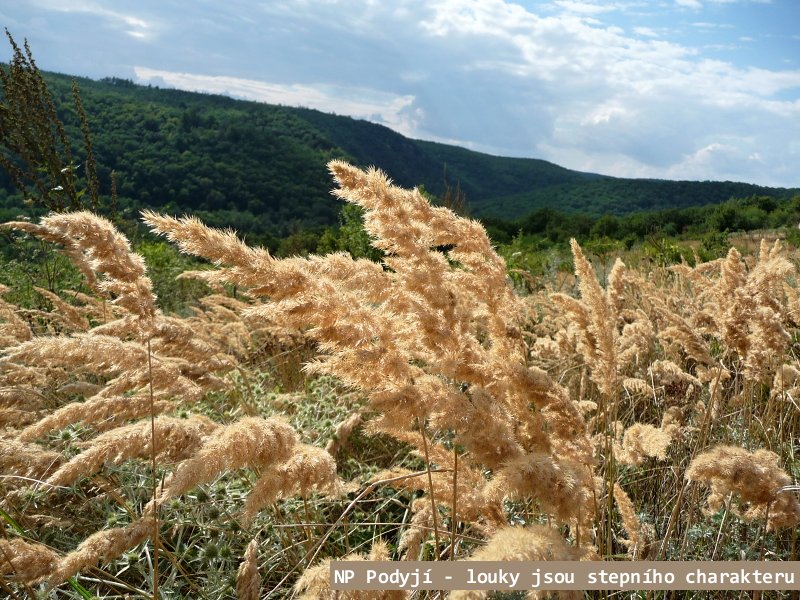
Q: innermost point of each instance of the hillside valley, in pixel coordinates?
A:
(260, 168)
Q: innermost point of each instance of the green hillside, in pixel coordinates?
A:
(482, 177)
(253, 167)
(260, 168)
(511, 188)
(618, 196)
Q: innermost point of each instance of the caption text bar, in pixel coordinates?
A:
(562, 575)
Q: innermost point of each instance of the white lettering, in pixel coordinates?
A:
(501, 578)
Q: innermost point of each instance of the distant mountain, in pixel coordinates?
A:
(260, 168)
(482, 177)
(513, 187)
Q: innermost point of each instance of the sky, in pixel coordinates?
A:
(672, 89)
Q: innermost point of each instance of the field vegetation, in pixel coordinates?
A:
(438, 411)
(261, 169)
(419, 397)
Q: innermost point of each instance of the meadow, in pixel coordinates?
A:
(417, 407)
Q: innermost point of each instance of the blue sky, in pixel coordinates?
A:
(676, 89)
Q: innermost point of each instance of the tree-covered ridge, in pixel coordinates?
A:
(260, 168)
(253, 167)
(620, 197)
(511, 188)
(482, 177)
(737, 214)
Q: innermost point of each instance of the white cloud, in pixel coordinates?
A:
(633, 106)
(698, 4)
(556, 85)
(396, 112)
(133, 25)
(707, 25)
(730, 159)
(584, 7)
(646, 32)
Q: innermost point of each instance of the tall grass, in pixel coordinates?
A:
(438, 415)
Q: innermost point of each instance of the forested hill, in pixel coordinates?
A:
(510, 188)
(261, 168)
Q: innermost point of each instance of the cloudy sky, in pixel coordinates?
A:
(676, 89)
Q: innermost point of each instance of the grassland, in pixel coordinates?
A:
(419, 408)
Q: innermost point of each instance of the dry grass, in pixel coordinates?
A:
(462, 421)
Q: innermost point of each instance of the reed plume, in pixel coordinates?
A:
(308, 470)
(27, 460)
(250, 442)
(601, 306)
(747, 310)
(641, 441)
(100, 548)
(176, 439)
(531, 543)
(13, 329)
(248, 581)
(26, 561)
(515, 407)
(71, 318)
(315, 582)
(754, 477)
(419, 527)
(432, 337)
(95, 246)
(640, 535)
(557, 486)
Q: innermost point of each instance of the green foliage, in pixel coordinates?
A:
(659, 236)
(708, 223)
(261, 169)
(164, 264)
(299, 243)
(664, 252)
(617, 196)
(606, 226)
(350, 236)
(556, 226)
(235, 164)
(714, 245)
(35, 146)
(793, 236)
(27, 263)
(524, 260)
